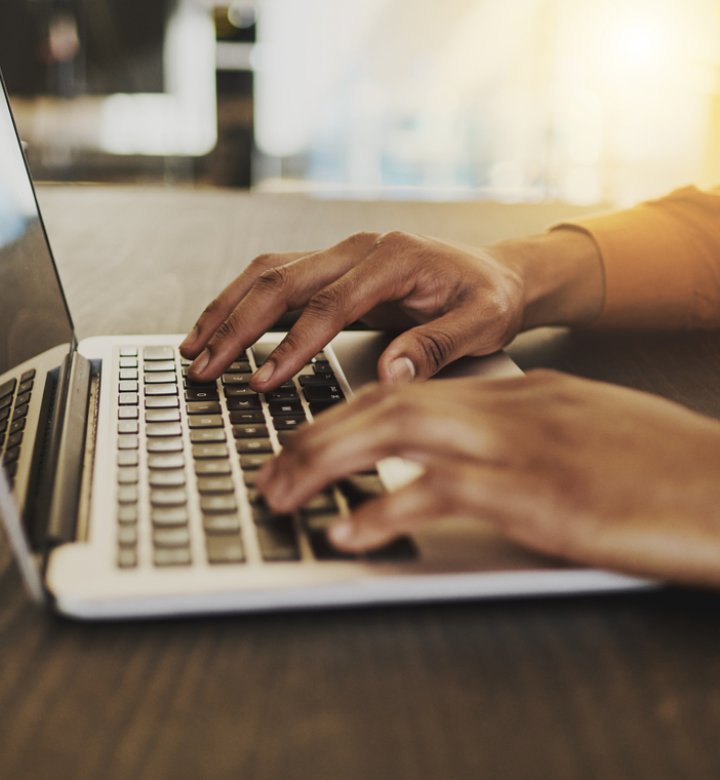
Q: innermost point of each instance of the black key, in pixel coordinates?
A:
(320, 363)
(159, 377)
(165, 556)
(4, 413)
(254, 497)
(239, 378)
(319, 407)
(323, 394)
(20, 411)
(207, 436)
(203, 407)
(277, 539)
(200, 385)
(209, 394)
(205, 421)
(11, 455)
(250, 478)
(317, 380)
(7, 388)
(215, 485)
(162, 402)
(239, 391)
(3, 427)
(162, 415)
(128, 413)
(401, 549)
(25, 387)
(254, 462)
(167, 478)
(225, 549)
(250, 431)
(169, 517)
(22, 399)
(174, 460)
(163, 429)
(164, 445)
(128, 458)
(209, 451)
(316, 529)
(212, 468)
(221, 524)
(158, 353)
(247, 418)
(239, 366)
(286, 409)
(167, 388)
(159, 366)
(251, 446)
(288, 423)
(218, 505)
(6, 403)
(11, 470)
(361, 488)
(27, 375)
(321, 504)
(171, 537)
(17, 425)
(248, 403)
(282, 395)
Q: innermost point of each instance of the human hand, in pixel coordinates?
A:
(447, 301)
(589, 472)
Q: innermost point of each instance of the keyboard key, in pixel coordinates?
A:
(401, 549)
(361, 488)
(159, 366)
(128, 458)
(126, 441)
(20, 412)
(168, 556)
(171, 537)
(225, 549)
(11, 455)
(128, 399)
(221, 524)
(128, 426)
(250, 478)
(28, 375)
(17, 424)
(323, 394)
(128, 413)
(127, 494)
(323, 550)
(169, 517)
(167, 478)
(249, 403)
(316, 380)
(191, 394)
(207, 436)
(169, 497)
(205, 421)
(206, 451)
(166, 461)
(236, 379)
(251, 446)
(6, 402)
(128, 362)
(317, 408)
(127, 558)
(254, 462)
(165, 389)
(250, 431)
(162, 415)
(127, 514)
(162, 402)
(218, 504)
(127, 475)
(239, 366)
(158, 353)
(128, 352)
(128, 386)
(203, 407)
(277, 540)
(213, 485)
(322, 503)
(163, 429)
(282, 395)
(286, 408)
(239, 391)
(247, 418)
(127, 536)
(288, 423)
(128, 373)
(164, 445)
(15, 440)
(5, 412)
(25, 387)
(212, 468)
(159, 378)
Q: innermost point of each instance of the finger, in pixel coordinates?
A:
(385, 274)
(421, 426)
(219, 309)
(277, 290)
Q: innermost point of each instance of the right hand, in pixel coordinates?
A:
(447, 301)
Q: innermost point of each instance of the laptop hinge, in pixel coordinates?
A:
(52, 516)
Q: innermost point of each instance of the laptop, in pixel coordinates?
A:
(127, 491)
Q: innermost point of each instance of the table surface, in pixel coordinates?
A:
(617, 686)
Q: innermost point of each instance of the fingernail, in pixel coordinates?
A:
(200, 363)
(402, 370)
(341, 532)
(264, 373)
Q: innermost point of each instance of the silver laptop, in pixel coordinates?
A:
(127, 491)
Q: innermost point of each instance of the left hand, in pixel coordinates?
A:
(599, 474)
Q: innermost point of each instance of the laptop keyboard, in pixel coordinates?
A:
(14, 405)
(167, 423)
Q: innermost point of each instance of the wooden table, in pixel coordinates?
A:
(606, 687)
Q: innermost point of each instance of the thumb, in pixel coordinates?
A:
(421, 352)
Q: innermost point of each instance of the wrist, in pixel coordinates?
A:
(562, 273)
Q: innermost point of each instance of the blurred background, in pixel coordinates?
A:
(585, 101)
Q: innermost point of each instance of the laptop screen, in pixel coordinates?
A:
(33, 313)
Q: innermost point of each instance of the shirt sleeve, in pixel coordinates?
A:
(661, 262)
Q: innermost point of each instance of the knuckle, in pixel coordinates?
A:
(274, 280)
(262, 263)
(392, 239)
(362, 238)
(329, 303)
(227, 330)
(213, 306)
(437, 347)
